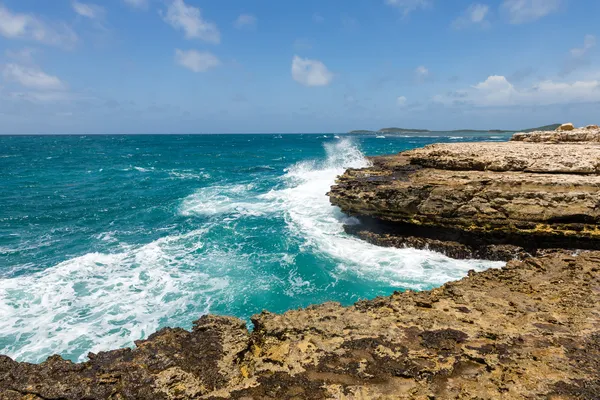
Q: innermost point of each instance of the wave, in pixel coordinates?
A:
(102, 301)
(310, 215)
(188, 174)
(225, 199)
(99, 301)
(140, 169)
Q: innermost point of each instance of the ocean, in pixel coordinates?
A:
(106, 239)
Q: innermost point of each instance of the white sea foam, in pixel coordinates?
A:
(104, 301)
(225, 199)
(188, 174)
(310, 215)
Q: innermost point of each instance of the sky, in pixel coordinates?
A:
(262, 66)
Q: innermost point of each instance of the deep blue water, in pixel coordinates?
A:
(105, 239)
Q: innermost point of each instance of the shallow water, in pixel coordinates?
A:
(105, 239)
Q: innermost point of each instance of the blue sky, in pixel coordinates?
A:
(195, 66)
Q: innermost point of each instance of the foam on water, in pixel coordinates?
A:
(103, 301)
(229, 248)
(310, 215)
(225, 199)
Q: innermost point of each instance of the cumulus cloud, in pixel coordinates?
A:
(196, 61)
(31, 77)
(137, 3)
(189, 19)
(310, 72)
(475, 14)
(401, 101)
(523, 11)
(91, 11)
(408, 6)
(245, 21)
(29, 27)
(497, 91)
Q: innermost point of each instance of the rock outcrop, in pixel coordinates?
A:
(520, 193)
(528, 331)
(590, 134)
(566, 127)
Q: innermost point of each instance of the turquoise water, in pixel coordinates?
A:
(105, 239)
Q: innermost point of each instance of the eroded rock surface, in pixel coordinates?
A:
(590, 133)
(528, 331)
(529, 195)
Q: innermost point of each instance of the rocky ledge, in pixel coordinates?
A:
(487, 200)
(528, 331)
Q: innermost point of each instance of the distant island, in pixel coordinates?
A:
(405, 130)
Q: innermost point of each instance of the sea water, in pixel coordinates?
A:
(106, 239)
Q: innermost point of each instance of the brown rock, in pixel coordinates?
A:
(589, 134)
(479, 194)
(530, 330)
(566, 127)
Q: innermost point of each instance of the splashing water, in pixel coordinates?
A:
(246, 226)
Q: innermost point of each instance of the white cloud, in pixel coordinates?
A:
(401, 101)
(310, 72)
(589, 42)
(497, 91)
(408, 6)
(196, 61)
(522, 11)
(30, 27)
(137, 3)
(245, 21)
(91, 11)
(422, 74)
(422, 71)
(31, 77)
(189, 19)
(475, 14)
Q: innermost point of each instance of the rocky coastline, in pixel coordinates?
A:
(481, 200)
(527, 331)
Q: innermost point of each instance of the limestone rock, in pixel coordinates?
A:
(530, 195)
(529, 330)
(589, 134)
(566, 127)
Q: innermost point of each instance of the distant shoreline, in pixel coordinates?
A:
(551, 127)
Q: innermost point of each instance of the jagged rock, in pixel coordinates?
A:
(530, 330)
(590, 133)
(566, 127)
(528, 195)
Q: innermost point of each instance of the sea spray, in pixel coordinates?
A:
(95, 254)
